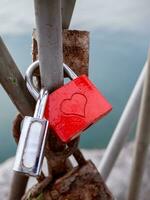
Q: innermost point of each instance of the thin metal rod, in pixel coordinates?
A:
(14, 84)
(49, 33)
(18, 186)
(142, 139)
(67, 11)
(123, 128)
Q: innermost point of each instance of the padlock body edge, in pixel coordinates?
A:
(74, 107)
(30, 151)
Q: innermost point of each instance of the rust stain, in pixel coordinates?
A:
(75, 50)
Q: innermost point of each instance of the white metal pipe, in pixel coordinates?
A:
(142, 140)
(123, 127)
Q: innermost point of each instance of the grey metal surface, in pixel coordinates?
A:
(49, 34)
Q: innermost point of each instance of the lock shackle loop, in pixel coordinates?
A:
(29, 81)
(41, 104)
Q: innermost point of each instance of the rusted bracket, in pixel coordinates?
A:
(82, 182)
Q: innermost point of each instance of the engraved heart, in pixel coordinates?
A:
(75, 105)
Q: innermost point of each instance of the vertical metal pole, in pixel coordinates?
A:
(123, 127)
(49, 37)
(142, 139)
(49, 31)
(18, 186)
(67, 10)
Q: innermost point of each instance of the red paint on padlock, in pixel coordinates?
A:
(74, 107)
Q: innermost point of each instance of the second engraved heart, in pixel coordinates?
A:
(75, 105)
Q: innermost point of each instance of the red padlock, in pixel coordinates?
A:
(73, 107)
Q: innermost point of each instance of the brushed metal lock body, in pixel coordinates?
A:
(30, 151)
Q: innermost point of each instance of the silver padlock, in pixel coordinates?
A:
(30, 152)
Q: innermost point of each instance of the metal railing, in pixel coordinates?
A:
(51, 17)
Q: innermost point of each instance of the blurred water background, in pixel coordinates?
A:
(116, 60)
(119, 40)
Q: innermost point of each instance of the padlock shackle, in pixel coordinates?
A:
(41, 104)
(69, 72)
(29, 81)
